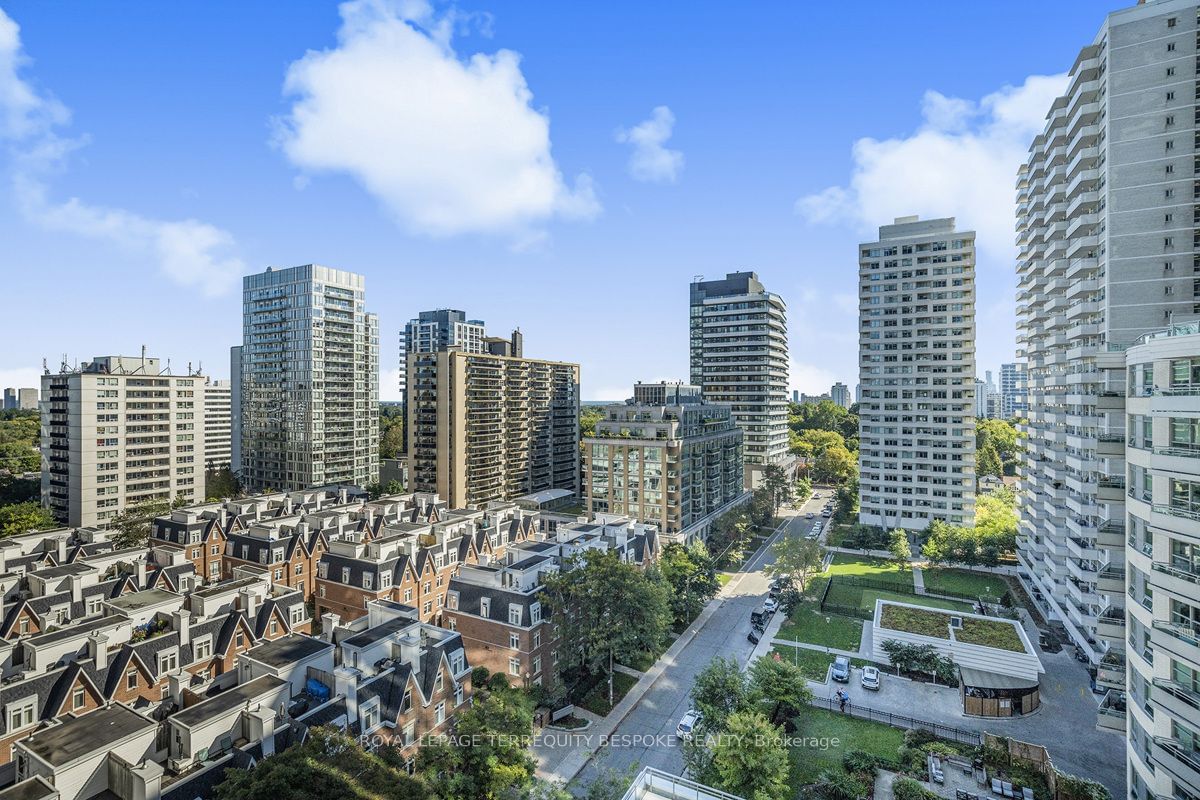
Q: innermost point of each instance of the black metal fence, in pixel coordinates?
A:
(847, 611)
(948, 732)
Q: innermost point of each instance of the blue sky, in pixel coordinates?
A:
(571, 185)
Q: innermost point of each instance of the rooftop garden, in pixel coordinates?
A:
(921, 621)
(990, 633)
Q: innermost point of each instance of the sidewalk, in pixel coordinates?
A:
(578, 755)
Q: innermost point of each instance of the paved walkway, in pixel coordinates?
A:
(918, 580)
(628, 670)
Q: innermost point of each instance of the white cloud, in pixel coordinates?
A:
(650, 161)
(962, 161)
(448, 144)
(193, 253)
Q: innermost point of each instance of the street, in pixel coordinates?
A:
(660, 709)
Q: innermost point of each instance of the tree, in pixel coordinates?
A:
(777, 486)
(611, 611)
(391, 430)
(22, 517)
(987, 461)
(610, 784)
(722, 689)
(750, 760)
(729, 533)
(328, 764)
(919, 658)
(834, 465)
(20, 438)
(134, 523)
(220, 482)
(488, 753)
(898, 547)
(796, 560)
(588, 417)
(692, 577)
(783, 685)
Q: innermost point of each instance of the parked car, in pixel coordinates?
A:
(870, 678)
(758, 616)
(841, 669)
(770, 604)
(827, 513)
(688, 724)
(754, 636)
(809, 515)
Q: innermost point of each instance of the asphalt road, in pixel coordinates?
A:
(646, 737)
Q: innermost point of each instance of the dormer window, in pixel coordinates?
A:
(535, 613)
(485, 607)
(514, 614)
(367, 580)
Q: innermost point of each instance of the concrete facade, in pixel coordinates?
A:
(118, 431)
(485, 427)
(309, 380)
(917, 367)
(218, 429)
(739, 358)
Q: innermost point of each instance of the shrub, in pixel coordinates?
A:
(909, 789)
(835, 784)
(479, 676)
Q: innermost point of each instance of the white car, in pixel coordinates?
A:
(770, 604)
(870, 678)
(688, 724)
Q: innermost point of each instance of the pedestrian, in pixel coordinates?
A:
(841, 696)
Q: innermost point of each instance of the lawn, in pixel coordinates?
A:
(962, 581)
(724, 578)
(868, 567)
(814, 663)
(817, 752)
(808, 624)
(596, 701)
(837, 533)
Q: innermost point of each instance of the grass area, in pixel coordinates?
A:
(724, 578)
(852, 734)
(814, 663)
(596, 701)
(990, 633)
(837, 533)
(962, 581)
(916, 620)
(808, 624)
(868, 567)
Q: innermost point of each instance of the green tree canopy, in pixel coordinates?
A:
(722, 689)
(782, 686)
(750, 760)
(796, 558)
(328, 764)
(835, 465)
(22, 517)
(612, 611)
(898, 546)
(692, 576)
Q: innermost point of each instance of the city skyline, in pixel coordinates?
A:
(257, 190)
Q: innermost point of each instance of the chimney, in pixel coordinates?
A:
(76, 582)
(345, 683)
(181, 620)
(98, 650)
(342, 495)
(62, 550)
(287, 504)
(249, 601)
(147, 780)
(329, 621)
(140, 564)
(175, 684)
(260, 727)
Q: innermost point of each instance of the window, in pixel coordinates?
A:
(168, 662)
(78, 698)
(1171, 22)
(514, 614)
(367, 580)
(514, 665)
(458, 695)
(537, 665)
(241, 639)
(1170, 71)
(274, 626)
(440, 712)
(406, 703)
(535, 613)
(203, 649)
(408, 595)
(485, 607)
(514, 641)
(131, 680)
(20, 714)
(438, 682)
(457, 662)
(537, 640)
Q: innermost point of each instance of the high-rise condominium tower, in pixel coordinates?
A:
(310, 380)
(1108, 240)
(917, 366)
(119, 431)
(438, 330)
(840, 394)
(484, 426)
(217, 424)
(1012, 390)
(739, 358)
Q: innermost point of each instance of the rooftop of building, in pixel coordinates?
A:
(227, 701)
(288, 650)
(78, 737)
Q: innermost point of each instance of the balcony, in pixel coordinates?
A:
(1110, 671)
(1110, 624)
(1178, 760)
(1111, 714)
(1178, 700)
